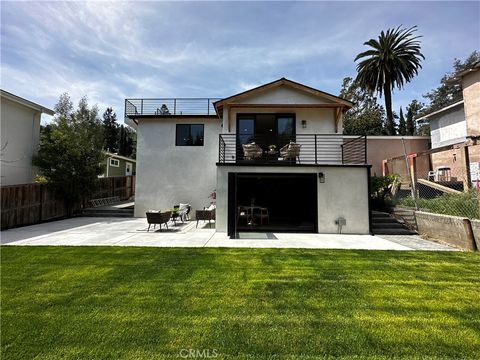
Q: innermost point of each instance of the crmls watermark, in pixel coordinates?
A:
(198, 353)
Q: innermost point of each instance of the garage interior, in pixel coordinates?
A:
(266, 202)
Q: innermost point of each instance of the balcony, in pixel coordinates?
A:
(315, 149)
(169, 107)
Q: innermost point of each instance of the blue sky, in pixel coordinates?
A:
(110, 51)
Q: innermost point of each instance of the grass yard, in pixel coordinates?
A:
(153, 303)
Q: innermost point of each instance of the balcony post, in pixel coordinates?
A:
(315, 149)
(174, 106)
(208, 106)
(141, 107)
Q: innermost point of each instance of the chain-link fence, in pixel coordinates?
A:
(443, 183)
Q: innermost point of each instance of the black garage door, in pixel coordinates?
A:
(272, 203)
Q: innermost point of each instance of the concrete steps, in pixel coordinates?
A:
(385, 224)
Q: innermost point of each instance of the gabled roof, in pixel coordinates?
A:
(425, 117)
(283, 82)
(116, 156)
(25, 102)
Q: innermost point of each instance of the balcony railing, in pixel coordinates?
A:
(169, 107)
(314, 149)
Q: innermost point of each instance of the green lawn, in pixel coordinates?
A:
(150, 303)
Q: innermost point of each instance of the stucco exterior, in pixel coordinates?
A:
(471, 98)
(20, 132)
(380, 148)
(448, 127)
(169, 174)
(343, 194)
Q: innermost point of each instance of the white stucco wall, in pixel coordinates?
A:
(344, 194)
(20, 128)
(283, 95)
(448, 128)
(319, 121)
(169, 174)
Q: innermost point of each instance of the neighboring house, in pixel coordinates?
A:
(447, 125)
(117, 165)
(188, 147)
(20, 132)
(455, 129)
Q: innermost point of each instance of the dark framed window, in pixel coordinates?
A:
(189, 135)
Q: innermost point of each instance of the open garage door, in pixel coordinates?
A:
(267, 202)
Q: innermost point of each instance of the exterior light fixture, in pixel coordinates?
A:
(321, 177)
(304, 124)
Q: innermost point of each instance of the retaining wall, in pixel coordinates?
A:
(453, 230)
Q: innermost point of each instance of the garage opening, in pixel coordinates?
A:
(272, 203)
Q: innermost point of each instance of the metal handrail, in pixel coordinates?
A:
(169, 106)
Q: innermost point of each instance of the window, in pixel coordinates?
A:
(189, 135)
(114, 162)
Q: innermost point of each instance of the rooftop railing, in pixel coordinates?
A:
(169, 107)
(317, 149)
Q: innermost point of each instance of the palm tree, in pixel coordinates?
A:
(392, 61)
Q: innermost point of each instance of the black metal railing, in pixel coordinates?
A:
(355, 151)
(314, 149)
(169, 106)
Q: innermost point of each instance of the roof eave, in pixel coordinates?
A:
(27, 103)
(220, 103)
(425, 117)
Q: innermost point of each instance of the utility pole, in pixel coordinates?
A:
(412, 188)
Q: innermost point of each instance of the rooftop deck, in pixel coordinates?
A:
(170, 107)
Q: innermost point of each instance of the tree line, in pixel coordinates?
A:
(71, 154)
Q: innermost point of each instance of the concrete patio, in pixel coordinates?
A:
(94, 231)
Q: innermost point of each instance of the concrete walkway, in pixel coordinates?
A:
(92, 231)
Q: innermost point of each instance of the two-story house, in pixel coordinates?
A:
(455, 129)
(275, 155)
(20, 136)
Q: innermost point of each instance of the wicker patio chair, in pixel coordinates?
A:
(205, 215)
(252, 151)
(291, 151)
(154, 218)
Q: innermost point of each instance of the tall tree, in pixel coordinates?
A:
(413, 109)
(127, 142)
(70, 155)
(392, 61)
(366, 117)
(110, 130)
(402, 125)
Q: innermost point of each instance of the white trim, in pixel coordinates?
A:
(440, 111)
(113, 164)
(127, 163)
(115, 156)
(25, 102)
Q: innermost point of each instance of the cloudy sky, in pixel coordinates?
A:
(110, 51)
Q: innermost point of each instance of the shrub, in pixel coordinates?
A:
(464, 204)
(381, 191)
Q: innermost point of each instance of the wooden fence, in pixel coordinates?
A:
(29, 204)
